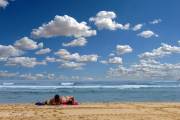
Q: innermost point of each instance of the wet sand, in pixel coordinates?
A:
(92, 111)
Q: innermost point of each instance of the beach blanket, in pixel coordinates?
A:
(41, 103)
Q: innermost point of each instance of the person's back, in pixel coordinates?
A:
(69, 100)
(54, 101)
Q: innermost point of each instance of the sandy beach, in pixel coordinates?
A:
(96, 111)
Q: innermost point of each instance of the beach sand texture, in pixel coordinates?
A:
(98, 111)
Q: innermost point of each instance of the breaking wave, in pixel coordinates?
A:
(70, 86)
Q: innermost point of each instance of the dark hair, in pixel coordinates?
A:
(57, 98)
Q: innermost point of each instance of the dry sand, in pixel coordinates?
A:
(98, 111)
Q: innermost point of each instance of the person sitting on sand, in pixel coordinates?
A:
(54, 101)
(61, 100)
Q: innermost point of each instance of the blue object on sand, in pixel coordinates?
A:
(39, 103)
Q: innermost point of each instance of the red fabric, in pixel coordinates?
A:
(75, 103)
(67, 99)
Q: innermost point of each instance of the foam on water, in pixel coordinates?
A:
(68, 86)
(67, 83)
(7, 83)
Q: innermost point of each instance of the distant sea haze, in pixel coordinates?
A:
(21, 91)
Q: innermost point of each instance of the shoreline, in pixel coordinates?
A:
(93, 111)
(92, 103)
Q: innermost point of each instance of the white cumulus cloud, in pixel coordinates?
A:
(73, 65)
(3, 3)
(38, 76)
(74, 60)
(66, 55)
(137, 27)
(147, 34)
(103, 62)
(9, 51)
(147, 69)
(43, 51)
(50, 59)
(115, 60)
(27, 44)
(30, 76)
(111, 55)
(6, 74)
(162, 51)
(76, 42)
(123, 49)
(63, 26)
(24, 61)
(105, 20)
(155, 21)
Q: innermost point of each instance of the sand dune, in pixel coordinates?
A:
(98, 111)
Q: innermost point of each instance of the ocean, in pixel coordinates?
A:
(31, 91)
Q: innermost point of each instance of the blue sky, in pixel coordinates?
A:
(60, 39)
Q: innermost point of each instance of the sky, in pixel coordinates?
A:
(89, 40)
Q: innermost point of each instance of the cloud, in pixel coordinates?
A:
(9, 51)
(147, 69)
(24, 62)
(38, 76)
(51, 76)
(115, 60)
(123, 49)
(3, 3)
(103, 62)
(6, 74)
(74, 60)
(148, 66)
(105, 20)
(111, 55)
(126, 26)
(63, 26)
(50, 59)
(43, 51)
(137, 27)
(41, 45)
(147, 34)
(66, 55)
(30, 76)
(27, 44)
(2, 59)
(73, 65)
(155, 21)
(62, 52)
(76, 42)
(162, 51)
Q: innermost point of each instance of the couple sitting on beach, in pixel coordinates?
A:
(60, 100)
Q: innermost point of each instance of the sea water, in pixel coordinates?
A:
(30, 91)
